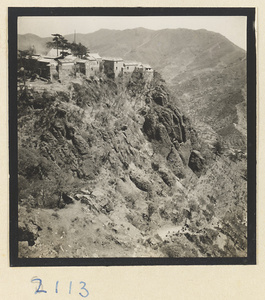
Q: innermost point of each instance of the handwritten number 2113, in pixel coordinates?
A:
(83, 293)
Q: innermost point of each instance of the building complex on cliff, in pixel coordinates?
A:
(61, 63)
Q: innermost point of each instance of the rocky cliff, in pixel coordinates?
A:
(114, 168)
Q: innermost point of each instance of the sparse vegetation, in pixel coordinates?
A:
(113, 167)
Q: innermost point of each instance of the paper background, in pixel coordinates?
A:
(136, 283)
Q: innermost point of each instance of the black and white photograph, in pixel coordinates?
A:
(135, 137)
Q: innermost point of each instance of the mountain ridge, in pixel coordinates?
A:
(80, 36)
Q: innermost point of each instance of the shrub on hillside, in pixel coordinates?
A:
(218, 148)
(41, 179)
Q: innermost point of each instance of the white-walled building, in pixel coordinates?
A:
(113, 66)
(129, 67)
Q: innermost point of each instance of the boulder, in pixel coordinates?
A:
(149, 126)
(196, 162)
(184, 151)
(67, 199)
(80, 144)
(89, 168)
(69, 131)
(28, 231)
(167, 178)
(160, 96)
(175, 163)
(141, 183)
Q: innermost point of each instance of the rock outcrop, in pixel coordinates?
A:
(128, 168)
(196, 162)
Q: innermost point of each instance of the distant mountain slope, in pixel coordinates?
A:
(163, 48)
(158, 48)
(29, 40)
(205, 70)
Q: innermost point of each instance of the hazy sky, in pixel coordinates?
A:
(232, 27)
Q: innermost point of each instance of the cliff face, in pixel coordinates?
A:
(114, 168)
